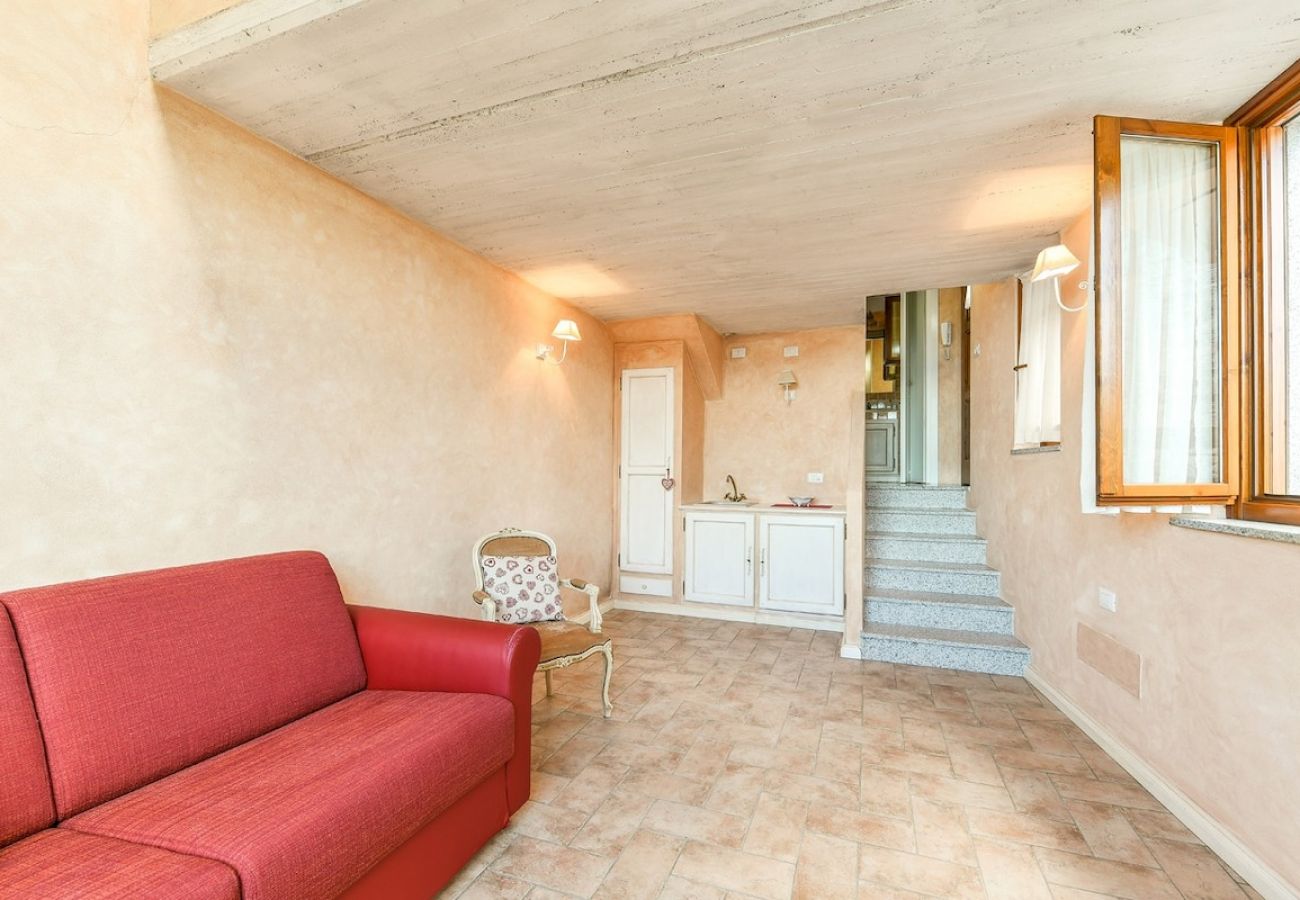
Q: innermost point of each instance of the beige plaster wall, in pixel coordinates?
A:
(1212, 617)
(210, 349)
(168, 15)
(770, 447)
(950, 310)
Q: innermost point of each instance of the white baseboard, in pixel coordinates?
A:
(1218, 838)
(737, 614)
(584, 617)
(851, 651)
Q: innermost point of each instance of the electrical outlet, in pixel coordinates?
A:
(814, 477)
(791, 351)
(1106, 599)
(738, 352)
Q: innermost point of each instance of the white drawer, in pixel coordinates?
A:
(645, 584)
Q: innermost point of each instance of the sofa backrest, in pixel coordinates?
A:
(138, 676)
(25, 803)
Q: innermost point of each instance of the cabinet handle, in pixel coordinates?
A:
(749, 560)
(762, 561)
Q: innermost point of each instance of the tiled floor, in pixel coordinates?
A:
(751, 761)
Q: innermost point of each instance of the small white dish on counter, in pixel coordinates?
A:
(802, 501)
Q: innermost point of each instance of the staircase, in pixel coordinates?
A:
(929, 598)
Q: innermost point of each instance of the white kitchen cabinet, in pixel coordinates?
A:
(801, 563)
(720, 558)
(787, 562)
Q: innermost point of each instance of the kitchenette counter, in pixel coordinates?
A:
(767, 508)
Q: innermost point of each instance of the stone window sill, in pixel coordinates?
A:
(1265, 531)
(1028, 451)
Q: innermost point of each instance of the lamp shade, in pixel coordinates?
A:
(1053, 262)
(786, 379)
(566, 330)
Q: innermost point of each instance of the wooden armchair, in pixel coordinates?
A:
(563, 643)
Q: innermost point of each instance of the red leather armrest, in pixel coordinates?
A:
(409, 651)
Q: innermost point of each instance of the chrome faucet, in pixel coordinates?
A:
(734, 496)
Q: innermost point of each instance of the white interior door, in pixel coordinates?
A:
(646, 529)
(801, 563)
(720, 558)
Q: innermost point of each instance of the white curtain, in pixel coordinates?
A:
(1170, 220)
(1038, 381)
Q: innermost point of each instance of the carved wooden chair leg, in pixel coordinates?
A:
(547, 673)
(608, 650)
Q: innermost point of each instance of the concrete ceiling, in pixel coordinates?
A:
(763, 164)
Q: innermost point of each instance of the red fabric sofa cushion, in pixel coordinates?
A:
(25, 803)
(62, 863)
(303, 812)
(138, 676)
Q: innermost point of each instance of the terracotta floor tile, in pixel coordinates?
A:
(696, 823)
(1105, 792)
(552, 866)
(1010, 871)
(776, 827)
(1195, 871)
(734, 870)
(908, 871)
(643, 867)
(1109, 833)
(827, 869)
(747, 761)
(941, 831)
(1023, 828)
(965, 793)
(680, 889)
(1105, 876)
(862, 827)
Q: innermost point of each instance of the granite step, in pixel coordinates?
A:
(914, 496)
(920, 609)
(969, 651)
(960, 548)
(932, 577)
(919, 521)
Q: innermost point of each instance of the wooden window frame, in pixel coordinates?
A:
(1112, 489)
(1260, 120)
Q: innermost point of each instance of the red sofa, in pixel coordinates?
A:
(233, 729)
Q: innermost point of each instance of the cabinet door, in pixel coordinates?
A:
(646, 526)
(801, 563)
(720, 558)
(882, 448)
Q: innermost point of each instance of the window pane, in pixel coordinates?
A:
(1169, 217)
(1286, 434)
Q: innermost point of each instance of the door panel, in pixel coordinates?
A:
(719, 558)
(646, 441)
(801, 563)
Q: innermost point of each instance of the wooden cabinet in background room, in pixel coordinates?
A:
(882, 450)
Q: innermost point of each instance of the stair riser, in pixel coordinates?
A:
(921, 549)
(878, 497)
(981, 584)
(992, 661)
(934, 615)
(954, 522)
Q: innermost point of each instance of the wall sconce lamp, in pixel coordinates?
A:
(787, 380)
(565, 332)
(1054, 263)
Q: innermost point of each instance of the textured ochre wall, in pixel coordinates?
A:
(210, 348)
(1213, 617)
(770, 447)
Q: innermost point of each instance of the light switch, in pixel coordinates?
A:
(1107, 600)
(814, 477)
(792, 350)
(738, 352)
